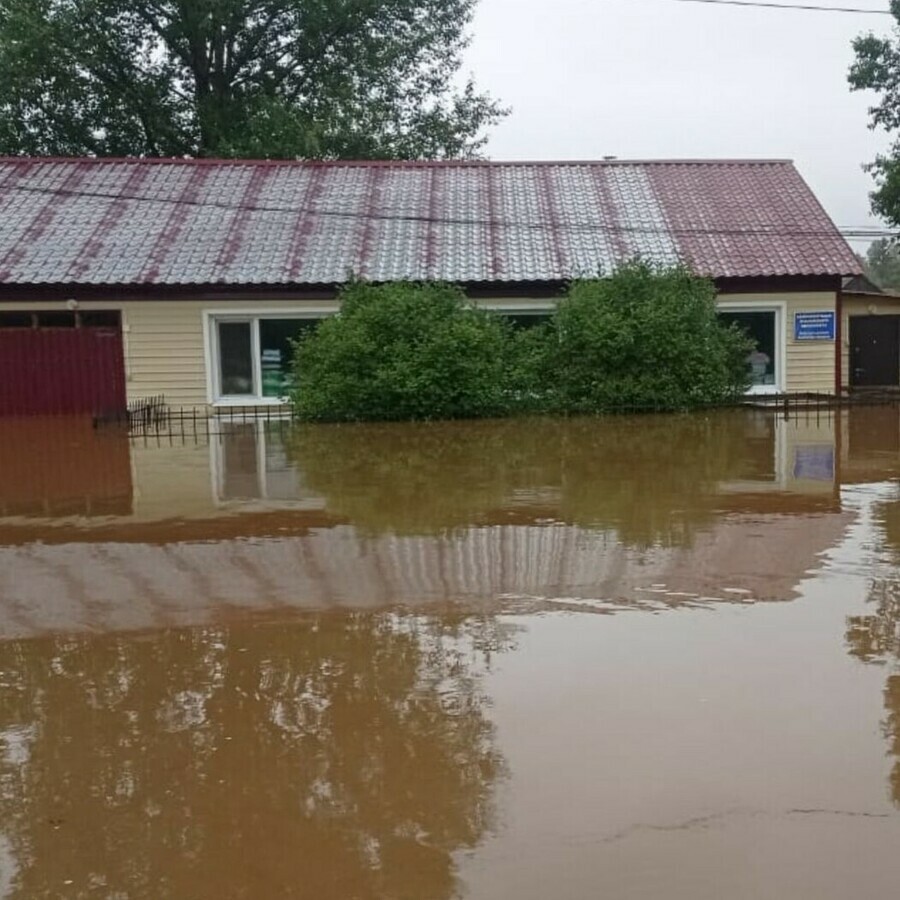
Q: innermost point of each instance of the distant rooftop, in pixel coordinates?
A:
(240, 222)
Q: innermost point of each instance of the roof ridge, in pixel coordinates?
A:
(388, 163)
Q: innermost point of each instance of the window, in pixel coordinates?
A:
(236, 359)
(16, 320)
(523, 320)
(251, 355)
(56, 320)
(100, 319)
(764, 361)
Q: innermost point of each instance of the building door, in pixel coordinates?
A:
(874, 351)
(61, 363)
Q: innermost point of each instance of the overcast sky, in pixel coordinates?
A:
(646, 79)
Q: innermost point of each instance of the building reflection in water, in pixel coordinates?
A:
(55, 467)
(295, 752)
(653, 479)
(590, 514)
(334, 757)
(251, 462)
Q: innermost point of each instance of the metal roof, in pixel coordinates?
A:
(188, 222)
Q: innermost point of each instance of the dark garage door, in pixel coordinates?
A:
(60, 363)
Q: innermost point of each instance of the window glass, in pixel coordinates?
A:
(15, 320)
(275, 336)
(235, 359)
(99, 319)
(56, 320)
(527, 320)
(760, 327)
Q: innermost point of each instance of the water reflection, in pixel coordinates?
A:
(874, 638)
(655, 480)
(649, 512)
(328, 758)
(270, 749)
(54, 467)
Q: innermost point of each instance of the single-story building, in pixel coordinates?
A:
(126, 279)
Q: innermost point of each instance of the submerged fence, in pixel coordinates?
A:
(153, 418)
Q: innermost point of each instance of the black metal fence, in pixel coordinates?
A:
(194, 423)
(153, 418)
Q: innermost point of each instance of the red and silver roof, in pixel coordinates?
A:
(188, 222)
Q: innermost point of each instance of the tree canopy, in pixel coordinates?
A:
(882, 263)
(243, 78)
(877, 68)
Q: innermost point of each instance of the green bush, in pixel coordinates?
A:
(403, 351)
(645, 338)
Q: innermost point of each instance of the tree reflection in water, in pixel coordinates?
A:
(875, 638)
(330, 757)
(655, 479)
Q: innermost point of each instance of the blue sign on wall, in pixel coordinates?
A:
(814, 326)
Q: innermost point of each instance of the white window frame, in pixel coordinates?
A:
(518, 309)
(779, 308)
(211, 319)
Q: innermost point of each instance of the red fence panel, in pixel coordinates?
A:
(49, 371)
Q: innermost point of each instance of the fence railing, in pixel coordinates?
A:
(154, 418)
(202, 422)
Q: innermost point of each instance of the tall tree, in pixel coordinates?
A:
(882, 263)
(258, 78)
(877, 68)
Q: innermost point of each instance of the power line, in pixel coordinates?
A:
(805, 7)
(856, 232)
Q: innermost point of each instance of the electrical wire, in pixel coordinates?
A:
(860, 232)
(803, 7)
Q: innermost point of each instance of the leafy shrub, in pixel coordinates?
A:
(645, 338)
(403, 351)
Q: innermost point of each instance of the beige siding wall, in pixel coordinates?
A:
(165, 352)
(809, 364)
(164, 342)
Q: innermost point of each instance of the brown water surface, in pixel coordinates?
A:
(641, 658)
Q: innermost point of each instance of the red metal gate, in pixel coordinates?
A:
(53, 370)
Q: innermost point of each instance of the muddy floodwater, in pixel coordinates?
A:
(652, 657)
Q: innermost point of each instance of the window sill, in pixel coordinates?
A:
(248, 402)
